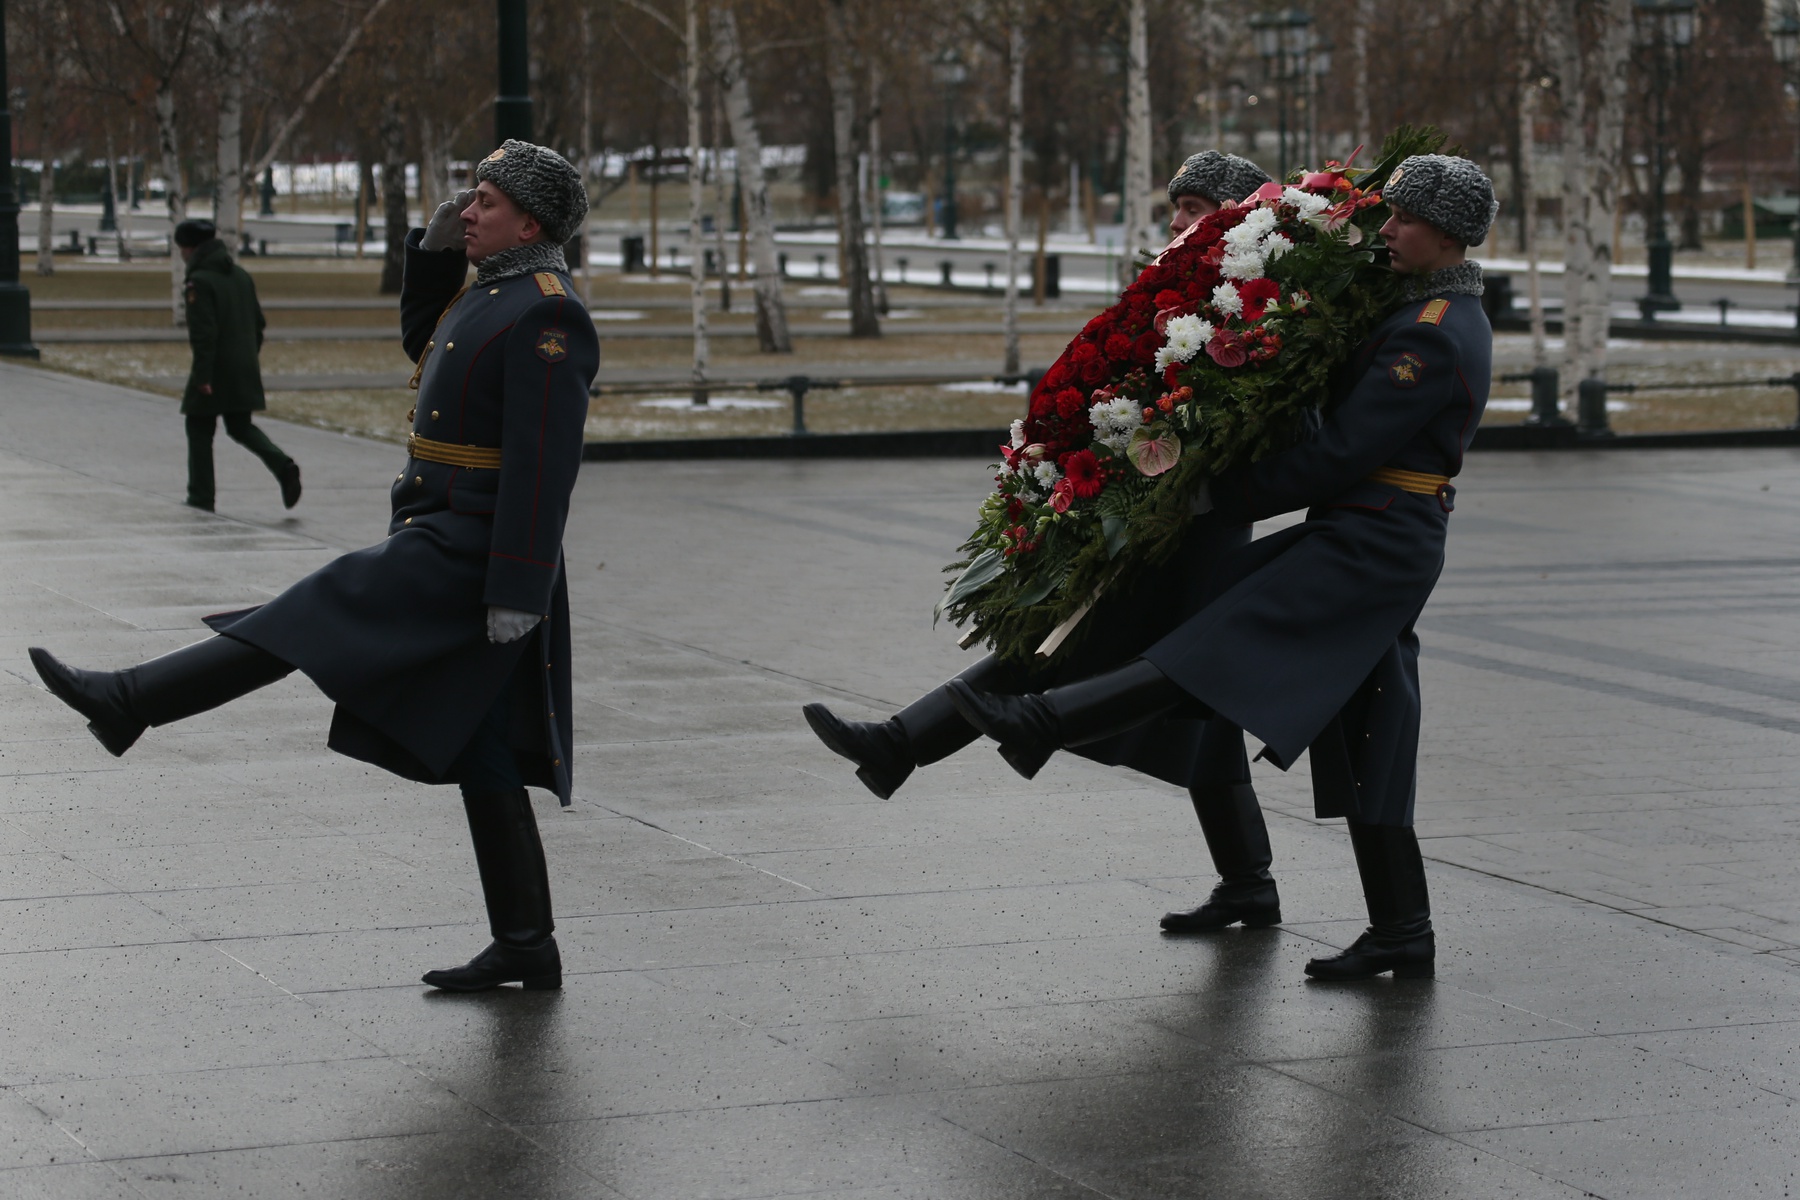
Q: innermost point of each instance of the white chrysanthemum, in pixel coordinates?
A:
(1046, 474)
(1225, 298)
(1242, 266)
(1113, 422)
(1308, 204)
(1018, 433)
(1242, 238)
(1275, 245)
(1185, 335)
(1259, 222)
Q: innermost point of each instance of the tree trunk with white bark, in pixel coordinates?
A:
(1526, 169)
(228, 31)
(840, 73)
(168, 145)
(696, 242)
(728, 61)
(46, 248)
(1015, 180)
(1140, 236)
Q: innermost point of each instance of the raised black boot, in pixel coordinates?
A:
(1232, 821)
(925, 731)
(1399, 937)
(516, 885)
(120, 705)
(1035, 725)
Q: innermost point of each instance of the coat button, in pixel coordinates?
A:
(493, 291)
(409, 522)
(418, 479)
(399, 477)
(434, 414)
(449, 345)
(556, 762)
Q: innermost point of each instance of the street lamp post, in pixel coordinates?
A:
(1664, 29)
(15, 300)
(1284, 41)
(512, 104)
(1784, 37)
(950, 72)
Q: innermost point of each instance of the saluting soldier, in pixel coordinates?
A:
(225, 333)
(446, 646)
(1207, 182)
(1204, 756)
(1310, 641)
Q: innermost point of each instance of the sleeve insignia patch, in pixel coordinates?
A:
(553, 345)
(1407, 370)
(549, 284)
(1433, 313)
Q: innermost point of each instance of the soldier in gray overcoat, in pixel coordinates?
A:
(1307, 640)
(1205, 756)
(225, 334)
(446, 646)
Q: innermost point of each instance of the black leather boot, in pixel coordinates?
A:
(925, 731)
(1399, 937)
(120, 705)
(1232, 821)
(516, 884)
(1035, 725)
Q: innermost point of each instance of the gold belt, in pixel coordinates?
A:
(426, 450)
(1410, 481)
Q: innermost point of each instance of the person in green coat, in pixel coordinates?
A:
(225, 330)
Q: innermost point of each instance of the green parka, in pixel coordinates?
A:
(225, 329)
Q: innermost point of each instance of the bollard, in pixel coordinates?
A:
(819, 265)
(1724, 303)
(781, 264)
(1591, 409)
(944, 267)
(989, 268)
(262, 247)
(1546, 398)
(1792, 381)
(902, 263)
(75, 241)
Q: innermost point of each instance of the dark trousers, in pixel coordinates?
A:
(243, 431)
(487, 763)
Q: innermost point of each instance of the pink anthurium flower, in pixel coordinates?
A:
(1154, 449)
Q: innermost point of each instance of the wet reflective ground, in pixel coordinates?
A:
(780, 985)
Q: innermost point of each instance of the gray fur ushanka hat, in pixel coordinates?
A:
(1218, 177)
(540, 181)
(1451, 193)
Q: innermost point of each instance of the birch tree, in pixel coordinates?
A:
(840, 74)
(1015, 175)
(392, 130)
(1140, 235)
(278, 141)
(229, 30)
(1593, 65)
(728, 63)
(1526, 167)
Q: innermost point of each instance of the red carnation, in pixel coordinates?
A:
(1117, 346)
(1168, 299)
(1043, 403)
(1139, 304)
(1069, 404)
(1057, 377)
(1081, 470)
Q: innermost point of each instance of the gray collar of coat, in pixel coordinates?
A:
(1464, 279)
(520, 260)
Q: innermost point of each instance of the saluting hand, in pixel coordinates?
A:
(509, 624)
(444, 231)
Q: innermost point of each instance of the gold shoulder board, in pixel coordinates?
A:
(550, 285)
(1433, 312)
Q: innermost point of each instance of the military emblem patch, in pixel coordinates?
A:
(1407, 370)
(496, 156)
(553, 345)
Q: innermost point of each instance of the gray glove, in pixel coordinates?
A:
(445, 229)
(509, 624)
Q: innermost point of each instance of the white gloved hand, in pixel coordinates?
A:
(1202, 502)
(445, 229)
(509, 624)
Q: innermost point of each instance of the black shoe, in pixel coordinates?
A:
(290, 484)
(202, 505)
(1256, 907)
(97, 695)
(1370, 955)
(878, 748)
(539, 968)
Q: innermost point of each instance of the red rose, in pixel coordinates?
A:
(1145, 348)
(1096, 325)
(1156, 276)
(1057, 377)
(1081, 471)
(1043, 403)
(1093, 372)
